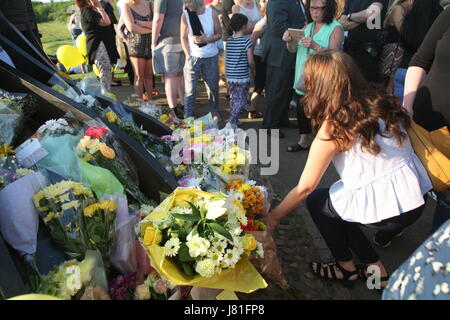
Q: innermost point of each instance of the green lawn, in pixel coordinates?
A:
(54, 35)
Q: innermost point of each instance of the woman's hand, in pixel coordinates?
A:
(308, 42)
(286, 36)
(270, 222)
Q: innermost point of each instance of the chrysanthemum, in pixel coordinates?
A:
(172, 246)
(206, 268)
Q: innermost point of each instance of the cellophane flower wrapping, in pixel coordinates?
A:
(99, 220)
(124, 251)
(69, 279)
(14, 109)
(19, 219)
(99, 147)
(201, 243)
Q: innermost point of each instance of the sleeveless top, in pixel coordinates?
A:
(140, 45)
(322, 38)
(210, 50)
(253, 15)
(378, 187)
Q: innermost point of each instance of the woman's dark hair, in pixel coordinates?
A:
(417, 22)
(329, 12)
(82, 3)
(237, 22)
(337, 92)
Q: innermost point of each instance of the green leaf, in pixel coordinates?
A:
(188, 269)
(186, 217)
(183, 253)
(195, 210)
(221, 230)
(163, 196)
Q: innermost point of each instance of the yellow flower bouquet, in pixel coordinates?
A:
(194, 238)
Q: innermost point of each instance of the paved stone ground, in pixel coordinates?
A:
(298, 240)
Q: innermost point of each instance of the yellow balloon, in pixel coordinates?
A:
(34, 296)
(81, 44)
(69, 56)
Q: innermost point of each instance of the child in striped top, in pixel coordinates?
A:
(239, 58)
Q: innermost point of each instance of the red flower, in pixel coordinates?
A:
(96, 132)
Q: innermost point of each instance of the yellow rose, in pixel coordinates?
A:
(111, 117)
(248, 242)
(142, 292)
(152, 236)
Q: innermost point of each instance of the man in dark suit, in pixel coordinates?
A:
(281, 15)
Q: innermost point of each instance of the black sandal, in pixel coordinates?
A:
(329, 273)
(296, 148)
(364, 275)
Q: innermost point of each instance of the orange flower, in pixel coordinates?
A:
(107, 151)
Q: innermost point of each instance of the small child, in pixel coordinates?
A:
(239, 58)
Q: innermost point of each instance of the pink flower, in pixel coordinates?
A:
(96, 132)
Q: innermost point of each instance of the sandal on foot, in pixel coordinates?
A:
(296, 148)
(364, 275)
(328, 270)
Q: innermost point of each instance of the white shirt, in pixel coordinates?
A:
(378, 187)
(207, 21)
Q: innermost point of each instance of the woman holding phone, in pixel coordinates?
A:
(323, 32)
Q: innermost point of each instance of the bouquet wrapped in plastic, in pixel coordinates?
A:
(194, 238)
(98, 147)
(61, 208)
(85, 280)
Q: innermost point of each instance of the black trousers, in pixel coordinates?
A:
(260, 74)
(343, 237)
(279, 82)
(304, 124)
(367, 63)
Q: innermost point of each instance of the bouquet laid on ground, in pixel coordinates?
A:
(253, 197)
(75, 220)
(97, 147)
(126, 124)
(228, 163)
(194, 238)
(11, 170)
(85, 280)
(55, 128)
(85, 99)
(61, 208)
(99, 221)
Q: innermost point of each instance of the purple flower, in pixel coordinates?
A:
(122, 287)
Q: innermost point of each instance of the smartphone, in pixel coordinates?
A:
(296, 34)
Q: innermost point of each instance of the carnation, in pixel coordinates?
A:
(206, 268)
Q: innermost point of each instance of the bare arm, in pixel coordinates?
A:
(130, 23)
(251, 60)
(216, 36)
(347, 24)
(158, 20)
(337, 36)
(257, 33)
(364, 15)
(184, 33)
(319, 158)
(414, 77)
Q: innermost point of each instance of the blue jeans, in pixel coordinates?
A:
(208, 69)
(399, 83)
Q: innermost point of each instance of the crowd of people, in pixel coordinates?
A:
(359, 72)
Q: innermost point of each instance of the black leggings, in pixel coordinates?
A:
(343, 237)
(304, 124)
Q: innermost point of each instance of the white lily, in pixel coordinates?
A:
(215, 209)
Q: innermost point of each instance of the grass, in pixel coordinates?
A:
(54, 35)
